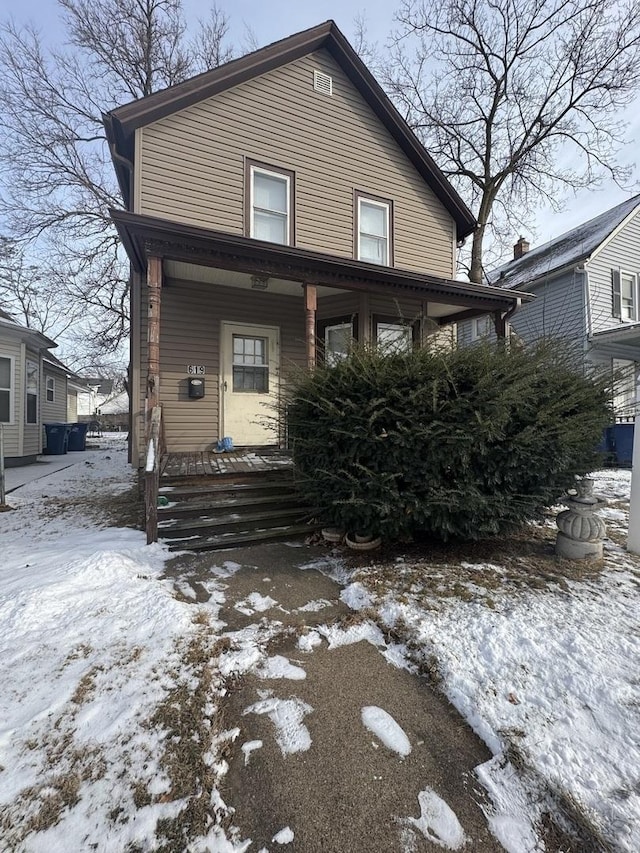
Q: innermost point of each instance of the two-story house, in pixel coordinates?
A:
(587, 284)
(277, 208)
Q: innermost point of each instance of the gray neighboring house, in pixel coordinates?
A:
(587, 284)
(35, 388)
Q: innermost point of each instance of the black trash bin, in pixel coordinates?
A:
(78, 437)
(57, 439)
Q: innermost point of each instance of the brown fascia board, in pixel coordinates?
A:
(141, 235)
(121, 123)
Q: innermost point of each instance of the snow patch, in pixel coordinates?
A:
(248, 747)
(285, 836)
(385, 728)
(287, 716)
(255, 603)
(438, 822)
(280, 667)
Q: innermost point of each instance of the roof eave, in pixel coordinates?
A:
(139, 233)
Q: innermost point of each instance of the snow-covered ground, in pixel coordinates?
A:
(97, 647)
(549, 674)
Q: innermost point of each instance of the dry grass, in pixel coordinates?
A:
(105, 510)
(191, 724)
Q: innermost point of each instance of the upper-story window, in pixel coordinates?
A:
(374, 218)
(6, 387)
(625, 295)
(270, 203)
(51, 389)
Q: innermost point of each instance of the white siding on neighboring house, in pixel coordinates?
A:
(622, 252)
(558, 311)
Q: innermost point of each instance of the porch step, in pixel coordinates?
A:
(210, 513)
(216, 506)
(228, 522)
(197, 492)
(247, 537)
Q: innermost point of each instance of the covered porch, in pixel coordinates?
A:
(233, 315)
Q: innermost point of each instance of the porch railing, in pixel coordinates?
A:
(155, 451)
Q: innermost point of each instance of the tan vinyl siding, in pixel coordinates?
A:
(621, 252)
(12, 350)
(191, 164)
(56, 411)
(191, 315)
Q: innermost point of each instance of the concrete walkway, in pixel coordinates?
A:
(343, 791)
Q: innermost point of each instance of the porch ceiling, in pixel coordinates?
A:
(183, 271)
(146, 236)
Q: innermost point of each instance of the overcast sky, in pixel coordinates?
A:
(270, 20)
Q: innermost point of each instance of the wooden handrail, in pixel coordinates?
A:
(155, 451)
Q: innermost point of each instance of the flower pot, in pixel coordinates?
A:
(332, 534)
(369, 545)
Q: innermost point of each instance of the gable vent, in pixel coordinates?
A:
(322, 83)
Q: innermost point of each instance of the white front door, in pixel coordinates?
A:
(250, 366)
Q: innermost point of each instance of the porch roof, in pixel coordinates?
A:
(628, 335)
(145, 236)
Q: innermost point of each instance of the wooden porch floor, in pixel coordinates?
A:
(209, 464)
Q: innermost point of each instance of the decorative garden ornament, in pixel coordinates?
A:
(580, 530)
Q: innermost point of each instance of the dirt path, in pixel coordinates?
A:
(304, 769)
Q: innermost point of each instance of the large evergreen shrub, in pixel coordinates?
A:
(460, 444)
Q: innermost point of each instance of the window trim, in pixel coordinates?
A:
(475, 334)
(27, 362)
(251, 166)
(47, 380)
(617, 312)
(358, 197)
(414, 325)
(321, 328)
(12, 386)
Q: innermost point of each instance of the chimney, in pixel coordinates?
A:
(521, 248)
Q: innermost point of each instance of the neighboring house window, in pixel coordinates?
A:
(624, 389)
(51, 389)
(480, 327)
(270, 204)
(32, 392)
(336, 337)
(373, 230)
(394, 336)
(6, 385)
(625, 295)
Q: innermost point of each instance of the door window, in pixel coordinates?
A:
(250, 364)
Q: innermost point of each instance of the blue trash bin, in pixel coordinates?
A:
(57, 439)
(622, 443)
(78, 437)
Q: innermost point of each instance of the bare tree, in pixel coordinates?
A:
(517, 99)
(30, 293)
(57, 181)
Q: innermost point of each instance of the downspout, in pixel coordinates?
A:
(509, 314)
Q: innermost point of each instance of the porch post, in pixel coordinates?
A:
(310, 308)
(154, 287)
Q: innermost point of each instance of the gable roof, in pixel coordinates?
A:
(32, 337)
(568, 249)
(121, 123)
